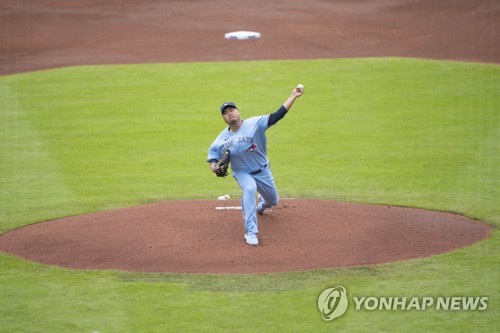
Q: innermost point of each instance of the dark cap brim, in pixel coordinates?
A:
(226, 105)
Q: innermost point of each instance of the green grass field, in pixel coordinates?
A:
(390, 131)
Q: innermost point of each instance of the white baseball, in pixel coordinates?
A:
(300, 86)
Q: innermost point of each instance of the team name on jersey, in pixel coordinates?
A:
(245, 139)
(239, 140)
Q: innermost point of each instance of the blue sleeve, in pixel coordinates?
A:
(213, 153)
(277, 116)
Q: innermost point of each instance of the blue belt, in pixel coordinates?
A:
(258, 171)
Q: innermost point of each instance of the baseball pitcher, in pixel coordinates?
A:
(243, 145)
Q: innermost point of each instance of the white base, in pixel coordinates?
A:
(242, 35)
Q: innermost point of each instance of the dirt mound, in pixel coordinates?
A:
(196, 237)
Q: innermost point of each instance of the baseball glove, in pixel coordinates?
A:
(223, 164)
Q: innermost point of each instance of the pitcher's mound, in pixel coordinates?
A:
(195, 237)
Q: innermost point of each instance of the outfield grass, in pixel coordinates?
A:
(384, 131)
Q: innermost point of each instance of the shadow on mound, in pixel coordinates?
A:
(195, 237)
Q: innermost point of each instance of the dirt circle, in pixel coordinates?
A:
(207, 237)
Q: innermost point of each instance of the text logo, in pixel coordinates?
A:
(455, 303)
(332, 303)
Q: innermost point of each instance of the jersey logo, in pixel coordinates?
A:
(252, 148)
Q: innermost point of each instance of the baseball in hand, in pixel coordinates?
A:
(300, 87)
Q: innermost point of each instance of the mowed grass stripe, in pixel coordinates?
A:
(373, 130)
(30, 176)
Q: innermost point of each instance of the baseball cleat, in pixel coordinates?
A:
(251, 239)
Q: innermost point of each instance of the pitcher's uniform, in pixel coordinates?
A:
(250, 164)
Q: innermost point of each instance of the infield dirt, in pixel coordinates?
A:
(54, 33)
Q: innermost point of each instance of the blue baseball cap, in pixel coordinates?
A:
(227, 104)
